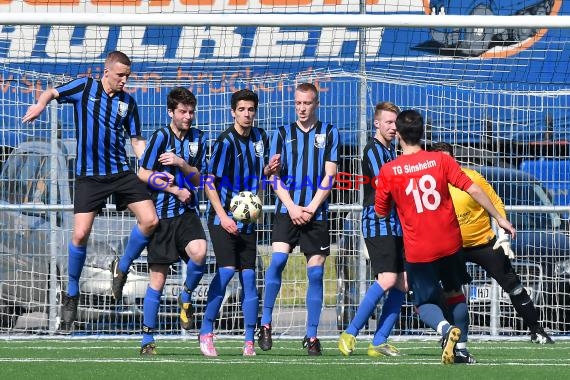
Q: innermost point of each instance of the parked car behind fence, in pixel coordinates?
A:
(33, 250)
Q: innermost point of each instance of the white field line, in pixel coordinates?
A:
(248, 361)
(328, 346)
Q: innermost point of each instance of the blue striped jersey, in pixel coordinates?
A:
(101, 123)
(237, 165)
(192, 148)
(375, 155)
(303, 158)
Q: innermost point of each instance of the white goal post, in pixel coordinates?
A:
(492, 80)
(289, 19)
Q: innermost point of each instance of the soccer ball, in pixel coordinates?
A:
(246, 207)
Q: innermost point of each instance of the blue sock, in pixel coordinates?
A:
(151, 304)
(272, 284)
(215, 298)
(194, 273)
(75, 262)
(250, 302)
(365, 309)
(314, 299)
(432, 316)
(135, 245)
(460, 316)
(389, 317)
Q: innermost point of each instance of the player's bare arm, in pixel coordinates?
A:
(161, 179)
(139, 144)
(171, 159)
(164, 181)
(35, 110)
(226, 222)
(273, 167)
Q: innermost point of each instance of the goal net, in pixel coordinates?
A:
(497, 90)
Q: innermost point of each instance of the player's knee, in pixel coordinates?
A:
(315, 260)
(80, 236)
(196, 251)
(157, 284)
(199, 257)
(387, 280)
(149, 223)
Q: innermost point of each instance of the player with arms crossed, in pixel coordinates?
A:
(103, 114)
(171, 167)
(417, 183)
(491, 251)
(236, 164)
(308, 151)
(383, 239)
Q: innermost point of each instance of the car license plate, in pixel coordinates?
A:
(200, 293)
(479, 293)
(483, 293)
(171, 290)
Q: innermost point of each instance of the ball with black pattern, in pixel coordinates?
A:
(246, 207)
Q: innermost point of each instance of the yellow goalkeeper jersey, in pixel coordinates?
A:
(474, 221)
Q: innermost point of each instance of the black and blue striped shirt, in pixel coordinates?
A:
(303, 158)
(375, 155)
(101, 122)
(237, 165)
(192, 148)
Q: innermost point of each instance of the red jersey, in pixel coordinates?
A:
(418, 185)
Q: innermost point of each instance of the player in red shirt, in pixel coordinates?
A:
(417, 183)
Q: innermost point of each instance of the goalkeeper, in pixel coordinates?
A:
(492, 252)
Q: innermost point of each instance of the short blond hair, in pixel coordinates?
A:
(308, 87)
(386, 106)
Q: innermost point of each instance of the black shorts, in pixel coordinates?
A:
(313, 237)
(172, 235)
(427, 279)
(238, 251)
(91, 192)
(386, 254)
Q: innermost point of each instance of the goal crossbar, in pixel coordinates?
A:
(333, 20)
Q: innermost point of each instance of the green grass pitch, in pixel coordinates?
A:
(181, 358)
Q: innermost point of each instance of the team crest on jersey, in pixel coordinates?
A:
(123, 108)
(259, 148)
(193, 148)
(320, 140)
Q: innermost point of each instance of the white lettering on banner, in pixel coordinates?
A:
(131, 43)
(19, 37)
(227, 44)
(273, 43)
(59, 44)
(332, 40)
(268, 43)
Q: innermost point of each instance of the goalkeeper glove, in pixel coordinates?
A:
(504, 242)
